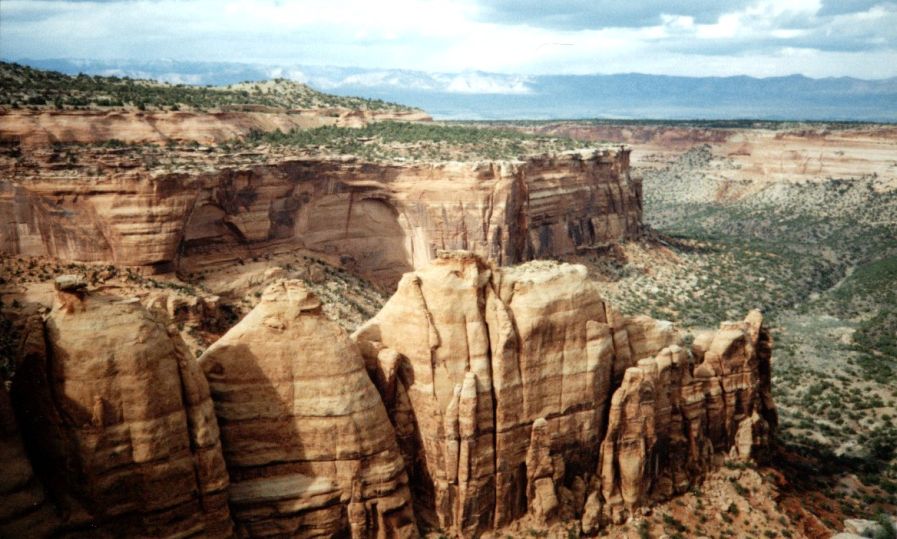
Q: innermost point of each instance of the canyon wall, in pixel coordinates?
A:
(477, 397)
(751, 158)
(379, 219)
(45, 127)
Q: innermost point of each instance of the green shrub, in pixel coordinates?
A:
(886, 527)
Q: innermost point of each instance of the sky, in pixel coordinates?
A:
(816, 38)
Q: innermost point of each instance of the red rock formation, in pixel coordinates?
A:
(500, 381)
(309, 447)
(382, 220)
(118, 422)
(670, 420)
(43, 127)
(498, 394)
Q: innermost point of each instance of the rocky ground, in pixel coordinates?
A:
(733, 502)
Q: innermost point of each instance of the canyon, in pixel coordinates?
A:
(751, 156)
(262, 311)
(494, 390)
(495, 394)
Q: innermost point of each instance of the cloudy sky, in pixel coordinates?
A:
(817, 38)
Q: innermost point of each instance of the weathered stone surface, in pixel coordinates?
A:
(380, 219)
(500, 401)
(307, 441)
(670, 421)
(118, 422)
(36, 128)
(477, 397)
(499, 380)
(856, 528)
(70, 283)
(25, 510)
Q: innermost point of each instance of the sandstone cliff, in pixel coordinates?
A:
(478, 397)
(309, 447)
(118, 422)
(381, 219)
(670, 420)
(42, 127)
(519, 391)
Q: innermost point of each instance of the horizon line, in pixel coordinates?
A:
(26, 61)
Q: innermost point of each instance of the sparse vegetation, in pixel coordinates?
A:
(22, 86)
(886, 528)
(382, 141)
(819, 258)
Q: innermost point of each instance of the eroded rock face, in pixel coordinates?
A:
(118, 422)
(34, 128)
(307, 441)
(380, 219)
(25, 510)
(519, 391)
(478, 396)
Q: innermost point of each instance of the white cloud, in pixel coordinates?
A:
(462, 83)
(474, 83)
(757, 38)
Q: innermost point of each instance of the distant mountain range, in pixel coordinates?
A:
(492, 96)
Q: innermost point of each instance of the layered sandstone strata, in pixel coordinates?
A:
(674, 417)
(43, 127)
(379, 219)
(520, 391)
(309, 447)
(118, 421)
(478, 396)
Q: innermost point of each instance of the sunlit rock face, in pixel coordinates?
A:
(308, 445)
(478, 396)
(521, 392)
(380, 220)
(118, 422)
(35, 128)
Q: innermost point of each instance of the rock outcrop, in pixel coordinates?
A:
(381, 220)
(118, 421)
(477, 396)
(671, 420)
(308, 445)
(520, 391)
(43, 127)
